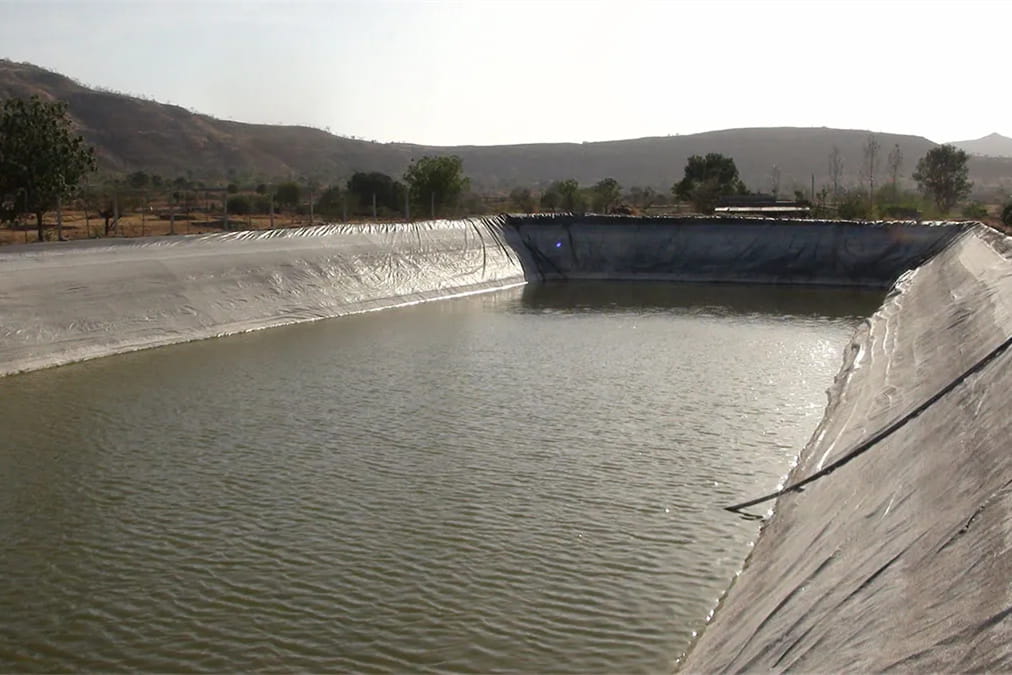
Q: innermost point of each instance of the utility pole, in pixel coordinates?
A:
(59, 218)
(87, 223)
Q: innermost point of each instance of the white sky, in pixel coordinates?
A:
(496, 71)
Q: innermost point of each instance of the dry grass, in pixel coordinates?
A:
(76, 226)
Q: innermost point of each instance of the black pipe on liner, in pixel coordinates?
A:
(878, 436)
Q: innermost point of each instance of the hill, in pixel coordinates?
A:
(992, 145)
(131, 133)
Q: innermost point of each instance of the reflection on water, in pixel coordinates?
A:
(523, 481)
(712, 299)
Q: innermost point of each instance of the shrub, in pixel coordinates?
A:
(239, 205)
(975, 211)
(853, 205)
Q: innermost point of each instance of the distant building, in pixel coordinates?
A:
(762, 205)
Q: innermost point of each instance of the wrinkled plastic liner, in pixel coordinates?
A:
(900, 558)
(68, 302)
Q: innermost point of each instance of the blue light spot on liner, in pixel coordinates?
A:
(558, 244)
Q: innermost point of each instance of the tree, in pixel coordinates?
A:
(41, 158)
(642, 198)
(288, 194)
(331, 202)
(942, 175)
(550, 199)
(569, 195)
(138, 180)
(775, 180)
(239, 205)
(436, 181)
(1006, 215)
(605, 194)
(895, 161)
(564, 195)
(835, 170)
(707, 179)
(870, 166)
(522, 199)
(388, 192)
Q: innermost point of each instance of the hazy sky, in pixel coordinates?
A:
(491, 71)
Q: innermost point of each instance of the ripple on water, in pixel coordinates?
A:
(518, 482)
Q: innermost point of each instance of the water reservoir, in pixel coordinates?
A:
(525, 480)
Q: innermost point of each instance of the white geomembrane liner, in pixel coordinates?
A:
(901, 558)
(68, 302)
(71, 301)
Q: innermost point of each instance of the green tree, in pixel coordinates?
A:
(975, 211)
(41, 158)
(707, 179)
(239, 205)
(138, 180)
(1006, 215)
(550, 198)
(642, 198)
(853, 204)
(331, 202)
(436, 181)
(570, 198)
(605, 194)
(942, 175)
(288, 194)
(522, 200)
(389, 193)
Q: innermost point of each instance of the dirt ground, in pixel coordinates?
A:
(76, 226)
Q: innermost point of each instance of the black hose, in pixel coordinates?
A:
(881, 434)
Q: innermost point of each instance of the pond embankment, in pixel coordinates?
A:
(66, 302)
(901, 558)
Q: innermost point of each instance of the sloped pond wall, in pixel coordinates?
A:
(901, 558)
(78, 300)
(71, 301)
(735, 250)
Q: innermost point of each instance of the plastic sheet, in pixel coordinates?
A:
(742, 250)
(67, 302)
(902, 558)
(72, 301)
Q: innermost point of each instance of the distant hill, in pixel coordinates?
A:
(992, 145)
(132, 134)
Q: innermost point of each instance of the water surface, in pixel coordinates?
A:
(529, 480)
